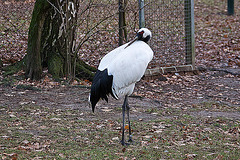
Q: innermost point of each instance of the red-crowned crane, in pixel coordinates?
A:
(119, 70)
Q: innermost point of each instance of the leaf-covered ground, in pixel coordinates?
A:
(217, 35)
(186, 117)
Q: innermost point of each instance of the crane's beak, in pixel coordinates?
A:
(131, 42)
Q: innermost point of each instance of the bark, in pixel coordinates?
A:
(59, 45)
(33, 59)
(52, 40)
(122, 21)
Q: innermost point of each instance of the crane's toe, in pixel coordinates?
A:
(125, 143)
(129, 142)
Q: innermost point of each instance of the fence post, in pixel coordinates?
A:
(1, 64)
(120, 22)
(189, 32)
(230, 7)
(141, 14)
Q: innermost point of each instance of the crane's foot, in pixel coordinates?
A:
(129, 142)
(130, 139)
(126, 143)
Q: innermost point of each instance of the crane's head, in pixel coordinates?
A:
(144, 34)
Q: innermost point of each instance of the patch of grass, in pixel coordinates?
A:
(7, 82)
(32, 131)
(214, 106)
(14, 68)
(27, 87)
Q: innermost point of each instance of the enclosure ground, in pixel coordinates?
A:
(185, 117)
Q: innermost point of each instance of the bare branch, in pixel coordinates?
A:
(53, 6)
(89, 34)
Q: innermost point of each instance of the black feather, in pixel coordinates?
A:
(101, 87)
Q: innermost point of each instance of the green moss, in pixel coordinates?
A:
(55, 66)
(7, 82)
(27, 87)
(84, 71)
(14, 68)
(33, 60)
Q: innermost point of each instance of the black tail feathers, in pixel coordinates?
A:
(101, 87)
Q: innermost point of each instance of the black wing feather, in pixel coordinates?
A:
(101, 87)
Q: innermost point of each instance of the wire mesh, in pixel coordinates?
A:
(105, 36)
(14, 22)
(98, 28)
(167, 21)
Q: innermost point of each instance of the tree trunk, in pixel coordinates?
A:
(51, 40)
(33, 59)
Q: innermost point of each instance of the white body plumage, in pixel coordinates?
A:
(127, 65)
(121, 68)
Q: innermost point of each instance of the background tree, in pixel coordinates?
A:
(51, 41)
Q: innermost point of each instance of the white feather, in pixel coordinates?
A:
(127, 65)
(107, 59)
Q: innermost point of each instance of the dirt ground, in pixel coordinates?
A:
(216, 89)
(186, 117)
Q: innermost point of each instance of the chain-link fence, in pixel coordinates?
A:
(98, 28)
(171, 24)
(101, 18)
(14, 22)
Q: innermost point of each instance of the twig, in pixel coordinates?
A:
(53, 6)
(89, 34)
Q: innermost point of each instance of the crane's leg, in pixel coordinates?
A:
(123, 126)
(129, 126)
